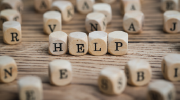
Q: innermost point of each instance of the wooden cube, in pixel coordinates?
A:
(60, 72)
(108, 1)
(169, 5)
(65, 8)
(112, 81)
(138, 72)
(42, 5)
(58, 43)
(30, 88)
(12, 32)
(118, 43)
(85, 6)
(52, 22)
(78, 43)
(8, 69)
(161, 90)
(98, 43)
(133, 22)
(95, 22)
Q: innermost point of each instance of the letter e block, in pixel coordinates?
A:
(42, 5)
(85, 6)
(169, 5)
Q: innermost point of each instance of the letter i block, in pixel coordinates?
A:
(169, 5)
(133, 21)
(85, 6)
(118, 43)
(8, 69)
(60, 72)
(58, 43)
(138, 72)
(78, 43)
(161, 90)
(42, 5)
(112, 81)
(12, 32)
(30, 88)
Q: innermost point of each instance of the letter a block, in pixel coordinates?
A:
(118, 43)
(138, 72)
(58, 43)
(161, 90)
(85, 6)
(112, 81)
(8, 69)
(42, 5)
(60, 72)
(169, 5)
(30, 88)
(78, 43)
(12, 32)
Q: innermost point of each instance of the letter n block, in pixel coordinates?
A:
(60, 72)
(138, 72)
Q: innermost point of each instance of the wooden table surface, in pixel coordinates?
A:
(32, 55)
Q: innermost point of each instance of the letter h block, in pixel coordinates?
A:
(138, 72)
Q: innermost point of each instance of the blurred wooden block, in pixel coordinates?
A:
(108, 1)
(85, 6)
(8, 69)
(169, 5)
(65, 8)
(78, 43)
(52, 22)
(161, 90)
(133, 22)
(42, 5)
(138, 72)
(95, 22)
(105, 9)
(30, 88)
(12, 32)
(112, 81)
(98, 43)
(118, 43)
(60, 72)
(57, 43)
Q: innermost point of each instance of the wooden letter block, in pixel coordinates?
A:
(9, 15)
(118, 43)
(112, 81)
(60, 72)
(105, 9)
(42, 5)
(169, 5)
(12, 32)
(30, 88)
(85, 6)
(171, 21)
(58, 43)
(65, 8)
(95, 22)
(161, 90)
(138, 72)
(108, 1)
(8, 69)
(133, 21)
(52, 22)
(78, 43)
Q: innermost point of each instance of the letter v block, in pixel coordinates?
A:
(138, 72)
(60, 72)
(8, 69)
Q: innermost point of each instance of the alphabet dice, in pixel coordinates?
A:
(108, 1)
(58, 43)
(8, 69)
(118, 43)
(138, 72)
(112, 81)
(95, 22)
(30, 88)
(65, 8)
(60, 72)
(161, 90)
(85, 6)
(12, 32)
(42, 5)
(52, 22)
(78, 43)
(105, 9)
(133, 21)
(169, 5)
(98, 43)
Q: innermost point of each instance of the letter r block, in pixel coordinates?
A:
(138, 72)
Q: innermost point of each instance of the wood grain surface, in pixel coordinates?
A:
(32, 55)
